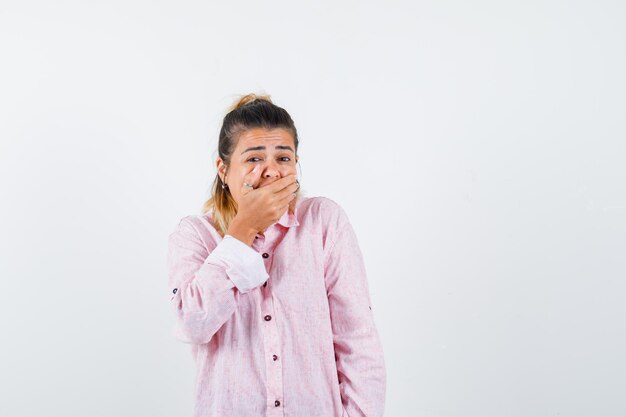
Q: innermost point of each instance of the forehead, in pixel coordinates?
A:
(261, 135)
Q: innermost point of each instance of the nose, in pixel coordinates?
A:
(271, 170)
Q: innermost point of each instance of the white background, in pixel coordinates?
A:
(477, 147)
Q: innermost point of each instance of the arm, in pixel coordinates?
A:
(204, 287)
(358, 349)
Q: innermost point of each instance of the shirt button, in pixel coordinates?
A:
(265, 255)
(175, 289)
(268, 317)
(274, 357)
(276, 403)
(265, 284)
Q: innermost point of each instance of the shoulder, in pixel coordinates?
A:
(322, 206)
(196, 227)
(320, 202)
(325, 211)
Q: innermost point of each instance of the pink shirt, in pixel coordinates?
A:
(280, 328)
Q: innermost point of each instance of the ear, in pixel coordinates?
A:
(221, 168)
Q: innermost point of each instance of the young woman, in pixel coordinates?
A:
(270, 288)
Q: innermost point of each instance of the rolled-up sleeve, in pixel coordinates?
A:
(243, 265)
(205, 283)
(358, 348)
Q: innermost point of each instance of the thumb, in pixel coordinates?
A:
(251, 178)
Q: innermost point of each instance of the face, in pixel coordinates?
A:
(273, 149)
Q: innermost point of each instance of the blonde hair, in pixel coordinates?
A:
(249, 111)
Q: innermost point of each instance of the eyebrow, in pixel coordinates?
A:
(262, 147)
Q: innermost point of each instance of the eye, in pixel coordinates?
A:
(283, 159)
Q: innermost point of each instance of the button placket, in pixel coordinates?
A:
(273, 367)
(271, 340)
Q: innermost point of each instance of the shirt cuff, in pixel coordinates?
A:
(244, 266)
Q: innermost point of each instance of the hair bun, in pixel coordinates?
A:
(248, 99)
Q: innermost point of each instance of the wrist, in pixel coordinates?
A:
(242, 232)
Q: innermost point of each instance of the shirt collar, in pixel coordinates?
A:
(288, 219)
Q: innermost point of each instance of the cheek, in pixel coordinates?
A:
(287, 170)
(239, 174)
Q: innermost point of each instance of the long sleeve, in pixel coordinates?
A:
(205, 287)
(358, 349)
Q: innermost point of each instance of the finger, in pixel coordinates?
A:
(251, 179)
(292, 203)
(282, 183)
(289, 189)
(287, 199)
